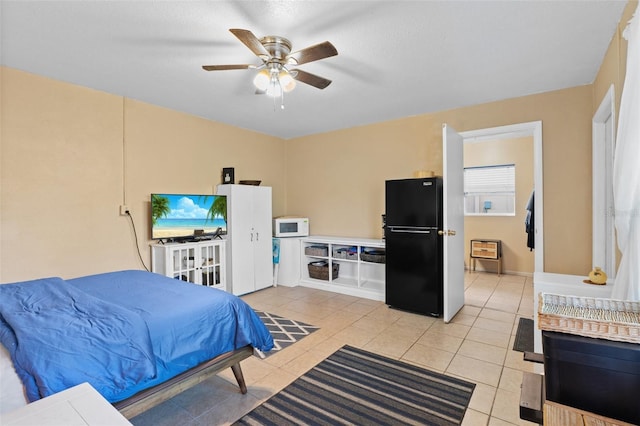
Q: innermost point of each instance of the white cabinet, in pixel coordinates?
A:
(357, 265)
(201, 262)
(249, 219)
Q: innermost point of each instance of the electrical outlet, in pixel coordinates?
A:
(124, 210)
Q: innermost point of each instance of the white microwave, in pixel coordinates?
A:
(290, 227)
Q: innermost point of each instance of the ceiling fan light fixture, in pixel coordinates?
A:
(274, 81)
(287, 82)
(262, 80)
(274, 89)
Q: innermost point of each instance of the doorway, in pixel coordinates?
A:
(531, 129)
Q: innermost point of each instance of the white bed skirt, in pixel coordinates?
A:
(11, 390)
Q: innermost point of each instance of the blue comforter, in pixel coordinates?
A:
(120, 331)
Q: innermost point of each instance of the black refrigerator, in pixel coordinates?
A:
(414, 270)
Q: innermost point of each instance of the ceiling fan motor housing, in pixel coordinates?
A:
(278, 47)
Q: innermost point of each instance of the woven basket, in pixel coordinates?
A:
(322, 251)
(374, 258)
(609, 319)
(321, 272)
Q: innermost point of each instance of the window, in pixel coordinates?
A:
(490, 190)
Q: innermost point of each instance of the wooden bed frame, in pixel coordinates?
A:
(148, 398)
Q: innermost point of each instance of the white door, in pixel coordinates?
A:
(453, 222)
(262, 238)
(242, 256)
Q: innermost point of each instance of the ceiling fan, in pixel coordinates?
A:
(275, 76)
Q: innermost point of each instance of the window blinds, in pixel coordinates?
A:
(490, 179)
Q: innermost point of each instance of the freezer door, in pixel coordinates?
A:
(413, 270)
(413, 202)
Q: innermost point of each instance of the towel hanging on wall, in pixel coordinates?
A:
(529, 223)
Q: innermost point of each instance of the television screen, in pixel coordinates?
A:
(180, 216)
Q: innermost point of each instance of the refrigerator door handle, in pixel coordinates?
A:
(410, 231)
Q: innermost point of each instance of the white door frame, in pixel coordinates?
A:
(530, 129)
(604, 140)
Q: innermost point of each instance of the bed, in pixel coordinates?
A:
(137, 337)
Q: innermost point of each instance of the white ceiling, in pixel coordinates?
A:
(396, 58)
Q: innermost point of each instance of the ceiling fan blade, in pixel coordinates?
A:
(310, 79)
(227, 67)
(312, 53)
(251, 41)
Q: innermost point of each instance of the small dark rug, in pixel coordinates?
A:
(524, 336)
(285, 332)
(353, 386)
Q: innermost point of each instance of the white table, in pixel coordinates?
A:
(79, 405)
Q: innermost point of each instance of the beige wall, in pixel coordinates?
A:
(61, 179)
(348, 198)
(509, 229)
(66, 166)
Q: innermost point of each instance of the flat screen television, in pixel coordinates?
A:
(187, 216)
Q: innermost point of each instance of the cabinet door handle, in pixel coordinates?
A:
(257, 236)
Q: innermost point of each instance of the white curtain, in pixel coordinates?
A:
(626, 172)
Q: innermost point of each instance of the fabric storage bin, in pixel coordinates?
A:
(348, 253)
(320, 271)
(317, 250)
(339, 253)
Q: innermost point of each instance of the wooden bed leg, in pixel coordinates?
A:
(237, 371)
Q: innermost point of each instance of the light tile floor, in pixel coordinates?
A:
(476, 345)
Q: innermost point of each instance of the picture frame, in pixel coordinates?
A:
(228, 175)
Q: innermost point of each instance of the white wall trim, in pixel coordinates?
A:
(603, 231)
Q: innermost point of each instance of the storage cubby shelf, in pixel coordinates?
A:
(196, 262)
(356, 277)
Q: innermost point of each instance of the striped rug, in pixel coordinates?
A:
(353, 386)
